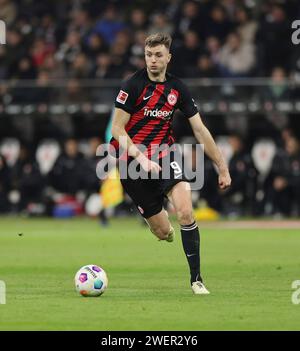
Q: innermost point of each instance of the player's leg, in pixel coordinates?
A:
(181, 198)
(148, 199)
(160, 225)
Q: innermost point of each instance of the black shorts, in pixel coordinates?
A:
(148, 194)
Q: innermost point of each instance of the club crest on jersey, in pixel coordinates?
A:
(122, 97)
(172, 99)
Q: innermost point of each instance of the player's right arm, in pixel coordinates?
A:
(120, 120)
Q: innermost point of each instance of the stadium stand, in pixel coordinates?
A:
(63, 63)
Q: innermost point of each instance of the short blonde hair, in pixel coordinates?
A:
(158, 39)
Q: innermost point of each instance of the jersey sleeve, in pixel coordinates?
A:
(126, 97)
(186, 104)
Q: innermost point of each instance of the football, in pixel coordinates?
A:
(91, 280)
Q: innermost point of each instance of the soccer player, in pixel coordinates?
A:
(143, 113)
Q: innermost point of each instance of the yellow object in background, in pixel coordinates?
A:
(112, 190)
(206, 214)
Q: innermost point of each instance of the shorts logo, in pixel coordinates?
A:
(140, 209)
(172, 99)
(122, 97)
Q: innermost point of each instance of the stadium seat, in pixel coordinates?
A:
(263, 152)
(10, 149)
(46, 155)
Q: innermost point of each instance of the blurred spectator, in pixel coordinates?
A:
(285, 179)
(3, 63)
(27, 179)
(48, 31)
(73, 92)
(137, 20)
(8, 11)
(137, 48)
(240, 196)
(286, 134)
(120, 50)
(218, 25)
(205, 68)
(275, 36)
(171, 9)
(42, 91)
(39, 52)
(191, 48)
(277, 90)
(120, 53)
(104, 67)
(186, 55)
(69, 49)
(38, 91)
(246, 26)
(14, 50)
(213, 47)
(67, 175)
(109, 25)
(188, 20)
(3, 93)
(80, 67)
(4, 185)
(26, 69)
(236, 58)
(53, 67)
(95, 46)
(160, 23)
(81, 23)
(137, 62)
(278, 87)
(295, 65)
(24, 25)
(230, 7)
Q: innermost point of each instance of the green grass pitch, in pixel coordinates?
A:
(249, 273)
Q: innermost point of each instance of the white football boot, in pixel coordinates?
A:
(199, 288)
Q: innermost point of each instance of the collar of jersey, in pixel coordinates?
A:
(153, 81)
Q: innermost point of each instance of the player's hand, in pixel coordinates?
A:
(224, 179)
(149, 166)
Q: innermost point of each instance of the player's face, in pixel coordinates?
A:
(157, 58)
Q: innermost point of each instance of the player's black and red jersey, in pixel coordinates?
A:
(151, 106)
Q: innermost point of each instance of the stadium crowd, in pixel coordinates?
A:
(104, 39)
(71, 41)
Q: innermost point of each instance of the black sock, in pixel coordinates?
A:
(191, 245)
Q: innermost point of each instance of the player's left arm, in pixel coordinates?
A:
(204, 137)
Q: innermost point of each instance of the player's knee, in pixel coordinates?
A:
(161, 232)
(185, 216)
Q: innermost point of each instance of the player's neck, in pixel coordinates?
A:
(159, 78)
